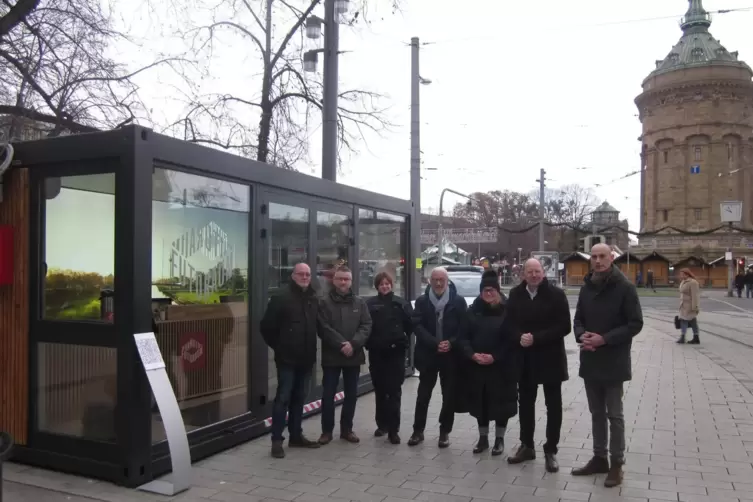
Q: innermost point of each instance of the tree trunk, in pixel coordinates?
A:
(265, 123)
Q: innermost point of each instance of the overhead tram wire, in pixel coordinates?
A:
(586, 26)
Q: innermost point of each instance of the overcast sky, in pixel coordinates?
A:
(516, 86)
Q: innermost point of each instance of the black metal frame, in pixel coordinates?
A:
(132, 153)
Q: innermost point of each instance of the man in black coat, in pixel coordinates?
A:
(607, 317)
(289, 327)
(439, 318)
(541, 314)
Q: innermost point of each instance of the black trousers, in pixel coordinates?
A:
(442, 367)
(387, 369)
(527, 401)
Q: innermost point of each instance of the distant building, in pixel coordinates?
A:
(696, 110)
(606, 221)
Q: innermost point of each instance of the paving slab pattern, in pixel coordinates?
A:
(689, 424)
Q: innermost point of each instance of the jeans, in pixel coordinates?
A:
(748, 290)
(292, 388)
(387, 368)
(693, 324)
(330, 379)
(444, 368)
(605, 405)
(553, 399)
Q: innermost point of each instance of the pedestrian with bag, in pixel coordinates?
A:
(607, 317)
(490, 347)
(540, 312)
(387, 346)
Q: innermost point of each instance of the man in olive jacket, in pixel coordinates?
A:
(289, 327)
(344, 327)
(607, 317)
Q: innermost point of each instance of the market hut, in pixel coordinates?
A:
(629, 264)
(659, 265)
(698, 266)
(577, 266)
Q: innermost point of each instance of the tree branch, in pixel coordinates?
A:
(16, 15)
(19, 111)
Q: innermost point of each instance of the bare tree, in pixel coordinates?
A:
(272, 120)
(55, 71)
(569, 207)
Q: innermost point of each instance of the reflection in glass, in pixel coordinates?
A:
(200, 293)
(288, 244)
(79, 247)
(77, 390)
(382, 246)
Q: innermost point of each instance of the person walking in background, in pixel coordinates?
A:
(650, 280)
(344, 327)
(749, 283)
(439, 318)
(387, 345)
(690, 305)
(289, 327)
(607, 317)
(739, 284)
(490, 346)
(540, 313)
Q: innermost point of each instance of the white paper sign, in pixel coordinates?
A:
(149, 351)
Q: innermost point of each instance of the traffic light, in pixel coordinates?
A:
(741, 263)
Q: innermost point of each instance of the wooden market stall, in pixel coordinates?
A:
(577, 266)
(717, 276)
(697, 266)
(659, 265)
(629, 264)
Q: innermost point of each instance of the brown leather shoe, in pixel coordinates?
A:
(416, 439)
(614, 476)
(597, 465)
(522, 454)
(277, 450)
(325, 438)
(303, 442)
(350, 437)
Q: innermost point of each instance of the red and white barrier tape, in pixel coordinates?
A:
(309, 407)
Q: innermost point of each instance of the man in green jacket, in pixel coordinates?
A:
(344, 327)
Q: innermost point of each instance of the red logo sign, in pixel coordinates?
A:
(193, 351)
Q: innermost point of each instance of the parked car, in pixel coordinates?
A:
(465, 268)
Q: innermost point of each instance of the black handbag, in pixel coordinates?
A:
(677, 322)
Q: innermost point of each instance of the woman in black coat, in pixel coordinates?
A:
(489, 346)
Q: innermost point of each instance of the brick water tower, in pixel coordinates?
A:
(697, 151)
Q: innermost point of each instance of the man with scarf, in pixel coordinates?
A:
(607, 317)
(439, 318)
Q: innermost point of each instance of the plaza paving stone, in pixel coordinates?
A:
(689, 422)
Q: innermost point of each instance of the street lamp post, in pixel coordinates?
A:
(333, 9)
(440, 234)
(415, 160)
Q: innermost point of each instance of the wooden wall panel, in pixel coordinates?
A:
(14, 310)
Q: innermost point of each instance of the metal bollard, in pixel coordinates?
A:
(6, 448)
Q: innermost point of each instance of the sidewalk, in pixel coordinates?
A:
(689, 429)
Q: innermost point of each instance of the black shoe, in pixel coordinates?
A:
(393, 438)
(379, 432)
(416, 438)
(694, 341)
(277, 450)
(303, 442)
(482, 445)
(499, 447)
(681, 340)
(444, 440)
(550, 461)
(597, 465)
(523, 454)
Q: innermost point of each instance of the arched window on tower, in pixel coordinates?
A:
(665, 215)
(697, 152)
(729, 151)
(666, 156)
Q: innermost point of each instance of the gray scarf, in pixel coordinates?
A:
(439, 304)
(600, 278)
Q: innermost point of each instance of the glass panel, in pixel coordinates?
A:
(332, 245)
(381, 246)
(79, 276)
(288, 244)
(77, 390)
(200, 293)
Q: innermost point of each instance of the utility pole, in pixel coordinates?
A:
(542, 185)
(330, 84)
(415, 165)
